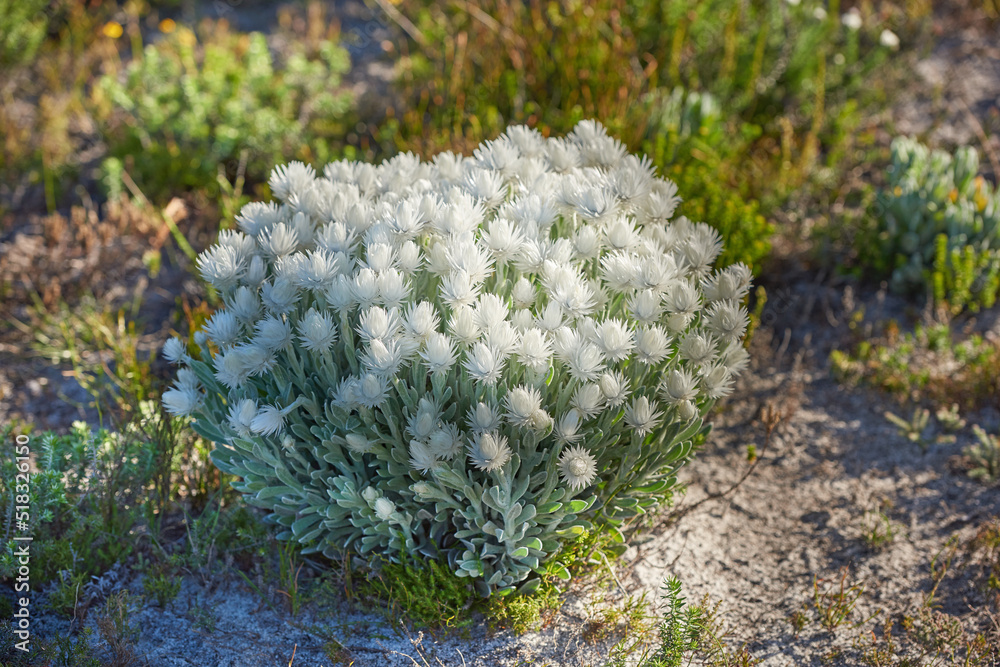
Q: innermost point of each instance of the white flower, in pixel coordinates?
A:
(458, 289)
(364, 287)
(340, 294)
(551, 318)
(524, 294)
(462, 325)
(735, 358)
(382, 358)
(484, 363)
(698, 348)
(614, 386)
(503, 239)
(335, 237)
(652, 345)
(687, 410)
(279, 296)
(727, 319)
(717, 381)
(410, 258)
(241, 416)
(317, 270)
(660, 204)
(317, 331)
(358, 443)
(446, 441)
(181, 402)
(489, 451)
(257, 216)
(438, 353)
(503, 338)
(679, 385)
(244, 304)
(376, 323)
(615, 340)
(889, 39)
(702, 248)
(422, 457)
(393, 288)
(490, 311)
(293, 178)
(273, 333)
(269, 420)
(279, 241)
(384, 508)
(732, 283)
(483, 417)
(645, 306)
(522, 402)
(421, 320)
(222, 266)
(255, 273)
(535, 350)
(852, 19)
(682, 298)
(371, 390)
(585, 362)
(578, 467)
(642, 416)
(175, 351)
(588, 399)
(568, 429)
(819, 13)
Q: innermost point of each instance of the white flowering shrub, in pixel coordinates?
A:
(474, 359)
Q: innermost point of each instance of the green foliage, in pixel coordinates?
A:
(835, 602)
(931, 364)
(878, 530)
(690, 144)
(936, 227)
(681, 628)
(60, 651)
(523, 612)
(687, 632)
(117, 630)
(183, 110)
(161, 583)
(985, 456)
(23, 25)
(428, 593)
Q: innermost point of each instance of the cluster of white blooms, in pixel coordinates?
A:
(539, 291)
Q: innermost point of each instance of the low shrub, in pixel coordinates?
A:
(473, 360)
(932, 364)
(936, 228)
(184, 108)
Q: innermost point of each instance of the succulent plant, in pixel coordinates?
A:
(473, 359)
(939, 224)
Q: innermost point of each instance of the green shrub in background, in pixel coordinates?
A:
(89, 489)
(936, 227)
(691, 144)
(23, 25)
(181, 109)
